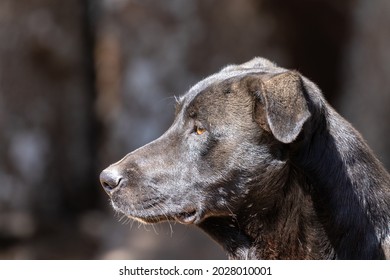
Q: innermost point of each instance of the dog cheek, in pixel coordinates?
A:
(222, 195)
(221, 191)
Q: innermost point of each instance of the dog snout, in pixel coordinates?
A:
(110, 180)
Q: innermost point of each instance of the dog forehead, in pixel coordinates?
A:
(256, 65)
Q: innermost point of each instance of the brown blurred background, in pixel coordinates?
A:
(83, 82)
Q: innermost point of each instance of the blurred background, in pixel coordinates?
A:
(84, 82)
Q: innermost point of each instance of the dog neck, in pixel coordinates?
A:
(284, 227)
(345, 177)
(325, 204)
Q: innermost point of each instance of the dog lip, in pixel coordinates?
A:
(183, 218)
(188, 217)
(147, 215)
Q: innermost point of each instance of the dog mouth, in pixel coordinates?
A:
(148, 215)
(188, 217)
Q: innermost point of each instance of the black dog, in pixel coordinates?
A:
(259, 160)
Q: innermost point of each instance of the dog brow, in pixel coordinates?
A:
(179, 104)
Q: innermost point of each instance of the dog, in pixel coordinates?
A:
(262, 163)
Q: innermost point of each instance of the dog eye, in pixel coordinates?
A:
(199, 130)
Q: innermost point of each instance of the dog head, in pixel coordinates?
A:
(226, 144)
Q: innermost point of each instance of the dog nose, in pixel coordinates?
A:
(110, 180)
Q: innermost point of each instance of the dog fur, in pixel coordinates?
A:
(262, 163)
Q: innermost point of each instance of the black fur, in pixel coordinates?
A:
(259, 161)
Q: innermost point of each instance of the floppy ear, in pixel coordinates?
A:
(284, 109)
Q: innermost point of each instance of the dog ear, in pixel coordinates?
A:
(282, 108)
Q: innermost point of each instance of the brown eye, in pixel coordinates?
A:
(199, 130)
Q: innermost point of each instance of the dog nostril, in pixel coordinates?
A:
(107, 185)
(110, 180)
